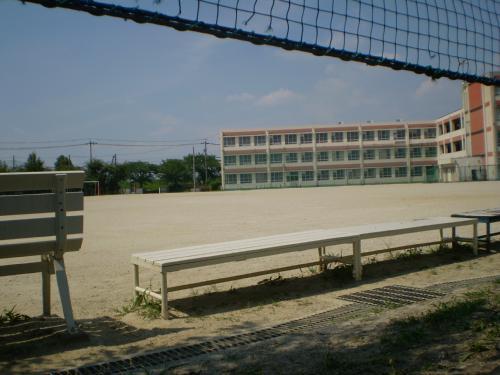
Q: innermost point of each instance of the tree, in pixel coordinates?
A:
(63, 163)
(3, 167)
(213, 168)
(140, 172)
(109, 176)
(175, 174)
(34, 163)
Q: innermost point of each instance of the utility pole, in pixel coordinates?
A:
(206, 168)
(13, 162)
(113, 160)
(194, 174)
(90, 148)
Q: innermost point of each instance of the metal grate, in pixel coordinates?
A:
(392, 295)
(362, 302)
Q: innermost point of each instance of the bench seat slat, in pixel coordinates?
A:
(10, 182)
(239, 250)
(249, 244)
(37, 203)
(25, 249)
(40, 227)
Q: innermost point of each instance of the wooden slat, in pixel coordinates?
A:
(36, 248)
(31, 181)
(41, 227)
(19, 269)
(37, 203)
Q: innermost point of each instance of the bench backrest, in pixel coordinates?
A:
(33, 207)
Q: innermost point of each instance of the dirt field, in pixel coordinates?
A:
(100, 275)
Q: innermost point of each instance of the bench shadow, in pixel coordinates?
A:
(47, 335)
(275, 288)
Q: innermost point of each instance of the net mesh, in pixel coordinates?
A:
(458, 39)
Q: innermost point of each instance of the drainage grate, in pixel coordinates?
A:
(395, 294)
(392, 295)
(166, 358)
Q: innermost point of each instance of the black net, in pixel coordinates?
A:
(458, 39)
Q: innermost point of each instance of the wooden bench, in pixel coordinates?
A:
(197, 256)
(33, 222)
(486, 216)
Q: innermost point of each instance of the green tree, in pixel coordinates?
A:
(175, 174)
(140, 172)
(213, 168)
(3, 167)
(63, 163)
(34, 163)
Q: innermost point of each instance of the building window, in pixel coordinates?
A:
(307, 176)
(369, 154)
(292, 176)
(384, 153)
(368, 135)
(353, 155)
(384, 135)
(338, 174)
(259, 140)
(292, 157)
(385, 172)
(245, 159)
(337, 137)
(352, 136)
(323, 175)
(231, 179)
(401, 172)
(415, 133)
(457, 124)
(447, 127)
(415, 152)
(354, 174)
(307, 157)
(447, 148)
(458, 146)
(399, 134)
(416, 171)
(261, 178)
(275, 139)
(322, 156)
(290, 139)
(306, 138)
(430, 133)
(498, 134)
(400, 153)
(370, 173)
(430, 152)
(229, 159)
(260, 158)
(276, 176)
(245, 178)
(244, 141)
(229, 141)
(276, 158)
(338, 155)
(321, 137)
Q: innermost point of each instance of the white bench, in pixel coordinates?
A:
(197, 256)
(33, 222)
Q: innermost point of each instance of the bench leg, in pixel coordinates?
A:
(356, 256)
(474, 239)
(453, 238)
(164, 296)
(488, 235)
(322, 264)
(46, 285)
(62, 283)
(441, 236)
(136, 278)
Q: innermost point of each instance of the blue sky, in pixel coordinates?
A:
(67, 75)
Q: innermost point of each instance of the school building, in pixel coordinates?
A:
(460, 146)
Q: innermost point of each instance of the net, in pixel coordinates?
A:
(458, 39)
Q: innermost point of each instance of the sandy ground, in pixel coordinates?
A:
(100, 275)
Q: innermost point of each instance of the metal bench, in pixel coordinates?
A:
(197, 256)
(34, 222)
(486, 216)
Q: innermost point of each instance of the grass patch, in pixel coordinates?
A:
(11, 316)
(144, 305)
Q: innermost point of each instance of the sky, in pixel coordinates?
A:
(68, 77)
